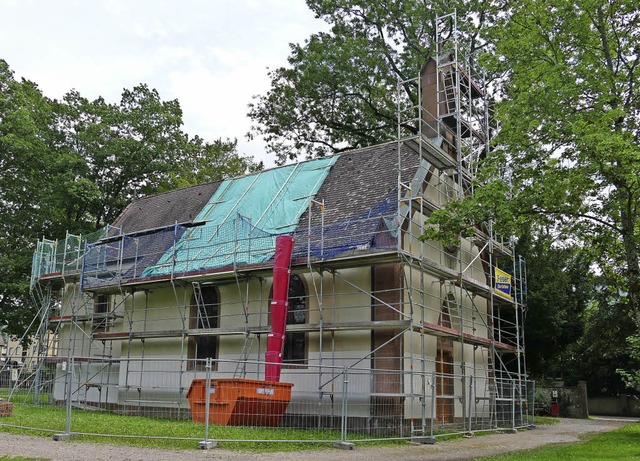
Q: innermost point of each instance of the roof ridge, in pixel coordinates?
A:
(171, 191)
(359, 150)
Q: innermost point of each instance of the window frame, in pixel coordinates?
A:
(102, 304)
(200, 346)
(296, 281)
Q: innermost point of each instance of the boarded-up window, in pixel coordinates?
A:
(386, 344)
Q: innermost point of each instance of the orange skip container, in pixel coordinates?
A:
(239, 402)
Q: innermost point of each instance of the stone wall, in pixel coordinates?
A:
(572, 401)
(617, 405)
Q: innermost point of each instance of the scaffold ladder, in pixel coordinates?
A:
(241, 366)
(203, 317)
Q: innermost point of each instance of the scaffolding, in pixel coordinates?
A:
(425, 334)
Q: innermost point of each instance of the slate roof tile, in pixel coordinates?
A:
(161, 210)
(359, 180)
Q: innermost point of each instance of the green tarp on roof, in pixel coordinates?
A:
(242, 218)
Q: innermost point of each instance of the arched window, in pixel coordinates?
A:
(295, 346)
(204, 313)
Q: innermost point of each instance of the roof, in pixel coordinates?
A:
(162, 210)
(357, 181)
(361, 179)
(242, 217)
(235, 222)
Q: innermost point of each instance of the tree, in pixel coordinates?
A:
(28, 198)
(603, 348)
(73, 165)
(570, 125)
(135, 148)
(125, 150)
(210, 161)
(632, 378)
(568, 153)
(559, 290)
(338, 92)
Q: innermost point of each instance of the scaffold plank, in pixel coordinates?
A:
(439, 330)
(240, 330)
(69, 318)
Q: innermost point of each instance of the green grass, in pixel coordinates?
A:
(19, 458)
(153, 433)
(621, 444)
(147, 429)
(22, 395)
(545, 420)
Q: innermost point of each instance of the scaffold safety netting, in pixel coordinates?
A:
(237, 228)
(242, 218)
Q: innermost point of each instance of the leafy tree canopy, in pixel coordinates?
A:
(571, 125)
(568, 156)
(560, 287)
(568, 153)
(74, 164)
(338, 91)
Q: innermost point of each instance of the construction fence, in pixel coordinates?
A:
(207, 398)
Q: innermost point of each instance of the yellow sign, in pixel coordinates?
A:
(502, 283)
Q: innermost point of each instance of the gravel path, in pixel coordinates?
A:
(568, 430)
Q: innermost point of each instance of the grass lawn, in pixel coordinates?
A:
(154, 433)
(19, 458)
(621, 444)
(545, 420)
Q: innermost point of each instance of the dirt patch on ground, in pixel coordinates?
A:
(568, 430)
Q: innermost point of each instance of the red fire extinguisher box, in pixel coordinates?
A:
(555, 407)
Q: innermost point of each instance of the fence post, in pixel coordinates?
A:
(470, 403)
(68, 382)
(513, 404)
(427, 439)
(206, 444)
(532, 404)
(433, 402)
(38, 375)
(343, 444)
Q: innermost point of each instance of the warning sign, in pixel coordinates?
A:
(503, 283)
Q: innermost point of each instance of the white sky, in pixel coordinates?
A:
(210, 55)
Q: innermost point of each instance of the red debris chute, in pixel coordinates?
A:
(249, 402)
(279, 307)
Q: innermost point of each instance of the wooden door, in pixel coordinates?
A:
(387, 358)
(444, 386)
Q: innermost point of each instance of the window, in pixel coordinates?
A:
(295, 345)
(204, 314)
(101, 311)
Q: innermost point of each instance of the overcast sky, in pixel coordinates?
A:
(210, 55)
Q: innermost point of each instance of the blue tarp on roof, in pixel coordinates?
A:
(243, 217)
